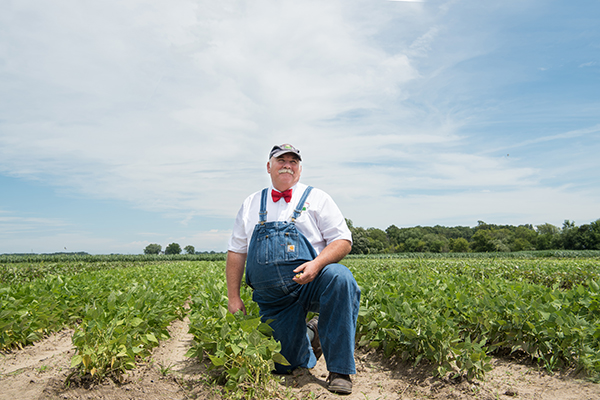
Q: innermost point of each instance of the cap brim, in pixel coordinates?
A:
(282, 152)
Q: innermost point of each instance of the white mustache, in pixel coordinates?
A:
(286, 171)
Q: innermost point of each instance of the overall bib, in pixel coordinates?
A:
(275, 250)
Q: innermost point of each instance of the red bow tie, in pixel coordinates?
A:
(287, 195)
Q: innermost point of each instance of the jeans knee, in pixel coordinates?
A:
(343, 277)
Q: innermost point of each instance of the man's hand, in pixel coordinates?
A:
(331, 254)
(235, 305)
(306, 272)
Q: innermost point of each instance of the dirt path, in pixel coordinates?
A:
(38, 373)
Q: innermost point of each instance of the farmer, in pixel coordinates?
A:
(290, 238)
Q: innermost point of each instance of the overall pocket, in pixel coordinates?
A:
(277, 243)
(262, 249)
(289, 251)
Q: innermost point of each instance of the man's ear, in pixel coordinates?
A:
(268, 167)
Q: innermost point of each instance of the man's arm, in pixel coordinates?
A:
(331, 254)
(234, 271)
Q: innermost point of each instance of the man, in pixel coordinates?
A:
(290, 237)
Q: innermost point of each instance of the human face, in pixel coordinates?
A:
(285, 171)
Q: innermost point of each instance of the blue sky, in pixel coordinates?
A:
(124, 123)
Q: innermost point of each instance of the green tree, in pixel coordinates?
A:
(584, 237)
(173, 248)
(435, 243)
(548, 237)
(414, 245)
(489, 237)
(189, 249)
(593, 235)
(367, 241)
(378, 240)
(483, 241)
(523, 238)
(153, 249)
(547, 229)
(569, 235)
(459, 245)
(521, 245)
(407, 239)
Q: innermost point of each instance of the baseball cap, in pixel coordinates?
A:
(277, 151)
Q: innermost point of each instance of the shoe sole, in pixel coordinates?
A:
(339, 389)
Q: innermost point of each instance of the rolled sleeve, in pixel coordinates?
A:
(331, 221)
(238, 241)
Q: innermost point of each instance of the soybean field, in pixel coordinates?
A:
(453, 317)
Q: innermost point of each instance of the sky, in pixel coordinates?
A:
(130, 122)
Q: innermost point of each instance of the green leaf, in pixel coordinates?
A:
(241, 374)
(265, 329)
(112, 298)
(250, 324)
(280, 359)
(410, 333)
(76, 360)
(235, 348)
(224, 331)
(254, 338)
(151, 337)
(33, 337)
(217, 361)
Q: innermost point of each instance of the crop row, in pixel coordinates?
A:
(118, 314)
(62, 258)
(15, 273)
(240, 347)
(98, 258)
(538, 254)
(563, 273)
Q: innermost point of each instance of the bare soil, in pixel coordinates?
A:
(39, 372)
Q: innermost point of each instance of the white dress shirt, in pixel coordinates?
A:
(321, 223)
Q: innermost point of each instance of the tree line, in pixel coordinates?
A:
(481, 238)
(171, 249)
(459, 239)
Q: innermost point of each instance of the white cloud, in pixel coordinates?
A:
(171, 110)
(173, 106)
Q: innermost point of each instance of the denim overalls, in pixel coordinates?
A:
(276, 249)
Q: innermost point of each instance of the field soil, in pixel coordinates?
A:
(39, 372)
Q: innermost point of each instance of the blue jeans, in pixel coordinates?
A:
(275, 250)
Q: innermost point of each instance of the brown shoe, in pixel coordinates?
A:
(339, 383)
(315, 343)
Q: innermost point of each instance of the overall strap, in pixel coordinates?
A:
(262, 215)
(298, 209)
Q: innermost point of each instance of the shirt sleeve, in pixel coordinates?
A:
(331, 221)
(238, 241)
